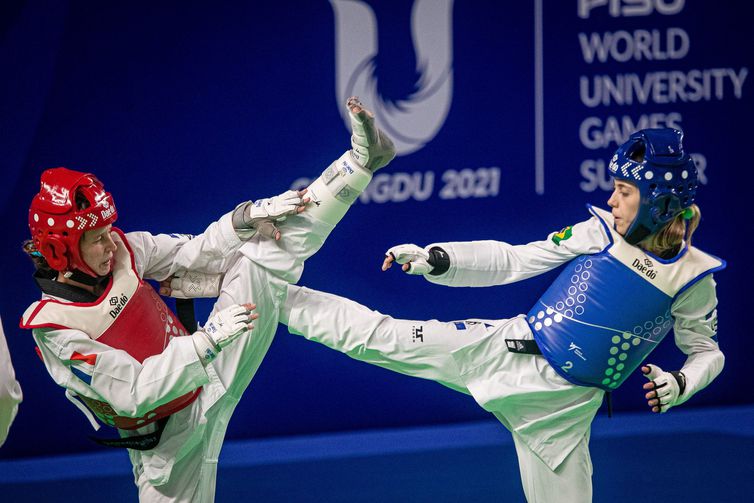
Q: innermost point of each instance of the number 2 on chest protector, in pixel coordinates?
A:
(466, 183)
(568, 366)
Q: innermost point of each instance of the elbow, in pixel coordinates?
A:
(126, 405)
(126, 401)
(123, 409)
(132, 409)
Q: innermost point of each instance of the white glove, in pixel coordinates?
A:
(414, 257)
(371, 148)
(222, 329)
(665, 388)
(260, 216)
(191, 285)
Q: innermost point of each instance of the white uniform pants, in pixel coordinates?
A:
(260, 274)
(423, 349)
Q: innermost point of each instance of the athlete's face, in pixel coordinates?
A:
(97, 249)
(625, 204)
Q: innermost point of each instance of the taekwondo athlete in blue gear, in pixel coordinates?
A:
(581, 310)
(631, 274)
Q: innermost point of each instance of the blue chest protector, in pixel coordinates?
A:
(606, 312)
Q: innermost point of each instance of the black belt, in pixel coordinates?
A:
(138, 442)
(523, 346)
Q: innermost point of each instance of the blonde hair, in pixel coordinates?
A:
(666, 242)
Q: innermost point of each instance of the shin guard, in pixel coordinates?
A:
(336, 189)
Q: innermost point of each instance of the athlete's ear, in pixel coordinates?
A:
(54, 252)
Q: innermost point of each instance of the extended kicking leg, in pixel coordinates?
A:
(417, 348)
(330, 195)
(341, 183)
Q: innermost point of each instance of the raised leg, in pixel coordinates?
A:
(416, 348)
(331, 194)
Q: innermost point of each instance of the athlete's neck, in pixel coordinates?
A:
(68, 281)
(79, 279)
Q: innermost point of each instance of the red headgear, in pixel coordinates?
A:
(57, 224)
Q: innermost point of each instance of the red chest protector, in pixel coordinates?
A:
(130, 316)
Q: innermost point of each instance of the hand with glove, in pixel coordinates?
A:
(371, 148)
(191, 285)
(221, 329)
(664, 388)
(262, 215)
(417, 260)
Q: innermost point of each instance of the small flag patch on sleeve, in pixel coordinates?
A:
(562, 235)
(81, 375)
(82, 366)
(90, 359)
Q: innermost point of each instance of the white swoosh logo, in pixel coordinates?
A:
(413, 122)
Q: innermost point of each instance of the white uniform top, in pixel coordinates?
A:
(10, 390)
(553, 428)
(130, 387)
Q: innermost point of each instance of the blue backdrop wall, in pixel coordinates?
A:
(504, 113)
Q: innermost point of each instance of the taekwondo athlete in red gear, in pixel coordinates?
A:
(630, 276)
(121, 354)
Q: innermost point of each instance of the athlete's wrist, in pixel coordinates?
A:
(439, 260)
(680, 378)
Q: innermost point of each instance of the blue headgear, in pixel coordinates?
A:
(654, 161)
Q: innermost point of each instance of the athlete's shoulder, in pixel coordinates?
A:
(587, 236)
(604, 217)
(705, 262)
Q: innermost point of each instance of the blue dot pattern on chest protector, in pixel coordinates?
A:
(599, 320)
